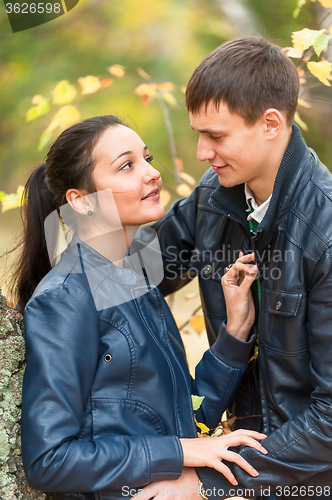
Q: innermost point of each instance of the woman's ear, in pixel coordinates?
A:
(79, 201)
(274, 122)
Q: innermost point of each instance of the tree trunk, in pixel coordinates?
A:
(13, 484)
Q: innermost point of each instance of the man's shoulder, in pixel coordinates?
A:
(209, 180)
(313, 205)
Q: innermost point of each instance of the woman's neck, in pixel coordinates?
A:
(112, 245)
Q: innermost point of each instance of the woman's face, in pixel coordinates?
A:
(123, 172)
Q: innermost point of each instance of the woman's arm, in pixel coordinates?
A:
(62, 341)
(219, 373)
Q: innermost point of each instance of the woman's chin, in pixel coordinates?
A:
(154, 215)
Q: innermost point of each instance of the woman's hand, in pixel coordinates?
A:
(185, 486)
(209, 452)
(240, 307)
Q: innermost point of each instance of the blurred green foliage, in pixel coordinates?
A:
(167, 38)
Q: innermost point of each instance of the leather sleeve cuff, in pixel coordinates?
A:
(232, 351)
(217, 487)
(165, 455)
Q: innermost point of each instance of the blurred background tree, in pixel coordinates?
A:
(167, 39)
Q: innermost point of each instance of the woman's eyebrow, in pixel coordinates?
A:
(127, 153)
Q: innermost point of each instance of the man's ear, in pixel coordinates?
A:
(273, 122)
(79, 201)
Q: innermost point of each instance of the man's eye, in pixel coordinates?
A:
(215, 138)
(149, 159)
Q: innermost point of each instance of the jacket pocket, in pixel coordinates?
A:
(124, 417)
(284, 303)
(283, 319)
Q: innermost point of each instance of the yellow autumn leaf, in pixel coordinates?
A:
(197, 323)
(191, 296)
(303, 103)
(145, 90)
(13, 200)
(196, 401)
(320, 70)
(188, 178)
(64, 92)
(89, 84)
(203, 427)
(165, 197)
(179, 165)
(64, 118)
(303, 39)
(165, 86)
(41, 107)
(10, 201)
(20, 191)
(298, 120)
(117, 70)
(106, 82)
(170, 99)
(183, 190)
(143, 74)
(326, 3)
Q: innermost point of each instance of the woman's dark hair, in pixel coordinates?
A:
(68, 164)
(249, 74)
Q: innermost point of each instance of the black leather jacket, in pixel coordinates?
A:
(291, 385)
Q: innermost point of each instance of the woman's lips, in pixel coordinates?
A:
(153, 195)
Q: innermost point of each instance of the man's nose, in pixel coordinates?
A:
(204, 149)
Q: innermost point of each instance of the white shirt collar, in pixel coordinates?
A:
(258, 211)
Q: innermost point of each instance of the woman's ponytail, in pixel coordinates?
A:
(32, 263)
(69, 164)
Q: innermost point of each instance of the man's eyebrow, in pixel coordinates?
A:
(206, 131)
(127, 153)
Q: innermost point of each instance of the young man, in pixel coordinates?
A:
(267, 192)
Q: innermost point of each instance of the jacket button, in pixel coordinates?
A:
(278, 305)
(107, 358)
(207, 269)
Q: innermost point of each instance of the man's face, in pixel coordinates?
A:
(236, 152)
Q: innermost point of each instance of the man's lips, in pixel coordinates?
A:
(152, 195)
(219, 168)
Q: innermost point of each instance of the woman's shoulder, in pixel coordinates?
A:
(67, 282)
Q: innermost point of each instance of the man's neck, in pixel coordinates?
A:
(262, 187)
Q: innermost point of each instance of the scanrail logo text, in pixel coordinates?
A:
(24, 15)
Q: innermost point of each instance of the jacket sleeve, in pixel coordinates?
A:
(62, 341)
(219, 374)
(301, 447)
(176, 234)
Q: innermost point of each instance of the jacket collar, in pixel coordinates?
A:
(231, 202)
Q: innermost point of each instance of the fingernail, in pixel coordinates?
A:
(265, 451)
(235, 482)
(255, 473)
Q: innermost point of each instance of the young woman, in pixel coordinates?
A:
(107, 392)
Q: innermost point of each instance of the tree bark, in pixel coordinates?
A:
(13, 484)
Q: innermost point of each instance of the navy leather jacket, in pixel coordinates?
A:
(290, 387)
(107, 392)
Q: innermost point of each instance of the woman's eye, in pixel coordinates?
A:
(127, 166)
(149, 159)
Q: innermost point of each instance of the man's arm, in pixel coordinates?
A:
(301, 448)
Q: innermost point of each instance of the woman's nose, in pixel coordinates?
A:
(151, 174)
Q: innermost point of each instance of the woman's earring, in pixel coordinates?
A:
(90, 213)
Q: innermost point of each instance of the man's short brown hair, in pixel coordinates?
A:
(249, 74)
